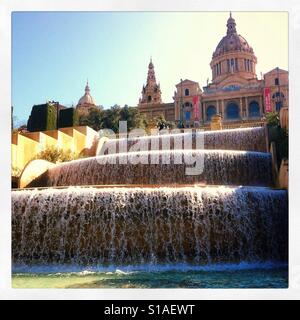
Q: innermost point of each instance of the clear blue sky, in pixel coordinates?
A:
(53, 53)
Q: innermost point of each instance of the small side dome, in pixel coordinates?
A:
(86, 99)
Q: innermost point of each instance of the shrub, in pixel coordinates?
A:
(54, 155)
(273, 118)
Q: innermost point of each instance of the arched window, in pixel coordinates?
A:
(232, 111)
(278, 97)
(232, 65)
(187, 115)
(186, 92)
(149, 98)
(254, 109)
(210, 111)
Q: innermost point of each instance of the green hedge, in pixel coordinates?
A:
(42, 117)
(68, 118)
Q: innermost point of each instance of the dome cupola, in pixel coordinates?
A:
(231, 25)
(86, 99)
(233, 54)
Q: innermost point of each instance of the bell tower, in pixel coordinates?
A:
(151, 93)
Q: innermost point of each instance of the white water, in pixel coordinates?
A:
(147, 225)
(220, 167)
(86, 229)
(247, 139)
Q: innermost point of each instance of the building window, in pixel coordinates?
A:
(232, 65)
(228, 65)
(254, 110)
(149, 98)
(186, 92)
(278, 105)
(276, 82)
(187, 115)
(210, 111)
(232, 111)
(236, 64)
(278, 97)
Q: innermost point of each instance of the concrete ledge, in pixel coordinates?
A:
(33, 170)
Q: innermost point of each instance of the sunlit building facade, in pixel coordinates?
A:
(235, 92)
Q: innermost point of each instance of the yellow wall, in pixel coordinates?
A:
(65, 141)
(25, 146)
(79, 141)
(24, 151)
(91, 135)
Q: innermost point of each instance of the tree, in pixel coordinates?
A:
(133, 117)
(111, 118)
(93, 119)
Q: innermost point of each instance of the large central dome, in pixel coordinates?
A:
(233, 56)
(232, 41)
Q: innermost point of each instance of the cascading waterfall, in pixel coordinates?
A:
(148, 225)
(220, 167)
(250, 139)
(238, 219)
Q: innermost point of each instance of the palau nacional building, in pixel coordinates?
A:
(234, 92)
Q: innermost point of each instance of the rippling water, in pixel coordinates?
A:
(243, 275)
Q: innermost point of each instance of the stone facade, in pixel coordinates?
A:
(150, 104)
(235, 92)
(151, 93)
(186, 92)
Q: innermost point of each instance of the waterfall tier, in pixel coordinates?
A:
(245, 139)
(220, 167)
(147, 225)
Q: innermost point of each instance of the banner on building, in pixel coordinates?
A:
(267, 95)
(196, 105)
